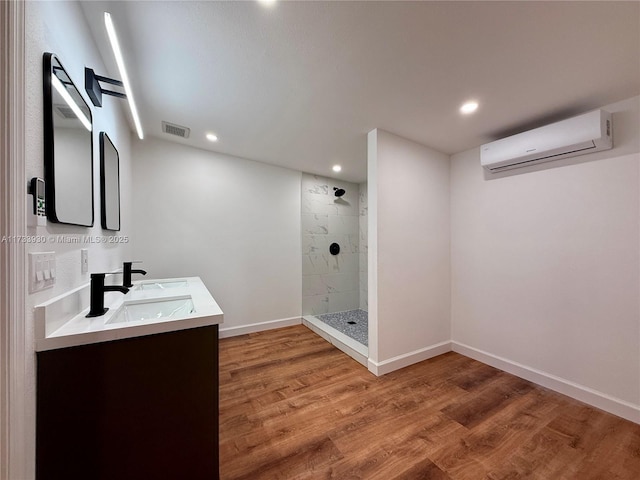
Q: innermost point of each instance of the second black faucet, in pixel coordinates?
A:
(126, 273)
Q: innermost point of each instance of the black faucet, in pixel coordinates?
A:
(97, 294)
(126, 273)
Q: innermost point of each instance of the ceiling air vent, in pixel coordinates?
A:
(177, 130)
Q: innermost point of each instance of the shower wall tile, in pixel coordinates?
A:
(314, 285)
(315, 224)
(345, 262)
(315, 184)
(362, 240)
(319, 204)
(335, 263)
(312, 183)
(339, 282)
(339, 224)
(322, 264)
(363, 281)
(353, 243)
(322, 284)
(318, 264)
(362, 260)
(330, 282)
(315, 304)
(314, 244)
(347, 204)
(342, 301)
(364, 301)
(363, 208)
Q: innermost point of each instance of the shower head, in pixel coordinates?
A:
(339, 191)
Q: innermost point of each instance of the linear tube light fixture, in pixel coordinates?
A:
(92, 81)
(115, 45)
(72, 104)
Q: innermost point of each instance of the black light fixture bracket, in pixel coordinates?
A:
(95, 90)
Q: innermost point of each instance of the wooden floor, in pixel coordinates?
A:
(294, 407)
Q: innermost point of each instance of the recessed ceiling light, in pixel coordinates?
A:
(337, 168)
(267, 3)
(469, 107)
(211, 137)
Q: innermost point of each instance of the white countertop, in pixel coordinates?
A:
(58, 326)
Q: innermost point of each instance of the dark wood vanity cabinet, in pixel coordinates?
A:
(143, 408)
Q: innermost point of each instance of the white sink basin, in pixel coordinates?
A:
(153, 309)
(162, 285)
(175, 304)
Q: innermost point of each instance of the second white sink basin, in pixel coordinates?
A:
(163, 285)
(153, 309)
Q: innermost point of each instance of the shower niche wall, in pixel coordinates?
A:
(334, 286)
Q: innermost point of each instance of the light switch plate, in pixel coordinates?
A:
(84, 260)
(42, 271)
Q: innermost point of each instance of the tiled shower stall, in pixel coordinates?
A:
(334, 286)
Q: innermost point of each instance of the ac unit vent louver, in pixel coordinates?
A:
(177, 130)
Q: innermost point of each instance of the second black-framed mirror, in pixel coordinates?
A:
(109, 184)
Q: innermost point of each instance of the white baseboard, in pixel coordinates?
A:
(259, 327)
(401, 361)
(587, 395)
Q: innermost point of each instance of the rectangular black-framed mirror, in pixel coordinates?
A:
(109, 183)
(68, 148)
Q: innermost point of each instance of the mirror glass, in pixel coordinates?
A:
(68, 166)
(109, 183)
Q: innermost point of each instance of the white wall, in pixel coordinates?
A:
(546, 269)
(330, 283)
(233, 222)
(409, 246)
(60, 27)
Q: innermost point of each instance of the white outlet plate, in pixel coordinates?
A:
(42, 271)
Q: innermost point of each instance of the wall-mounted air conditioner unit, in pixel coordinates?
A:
(587, 133)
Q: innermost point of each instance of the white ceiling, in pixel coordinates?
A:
(301, 83)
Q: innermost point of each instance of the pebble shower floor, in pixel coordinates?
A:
(353, 323)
